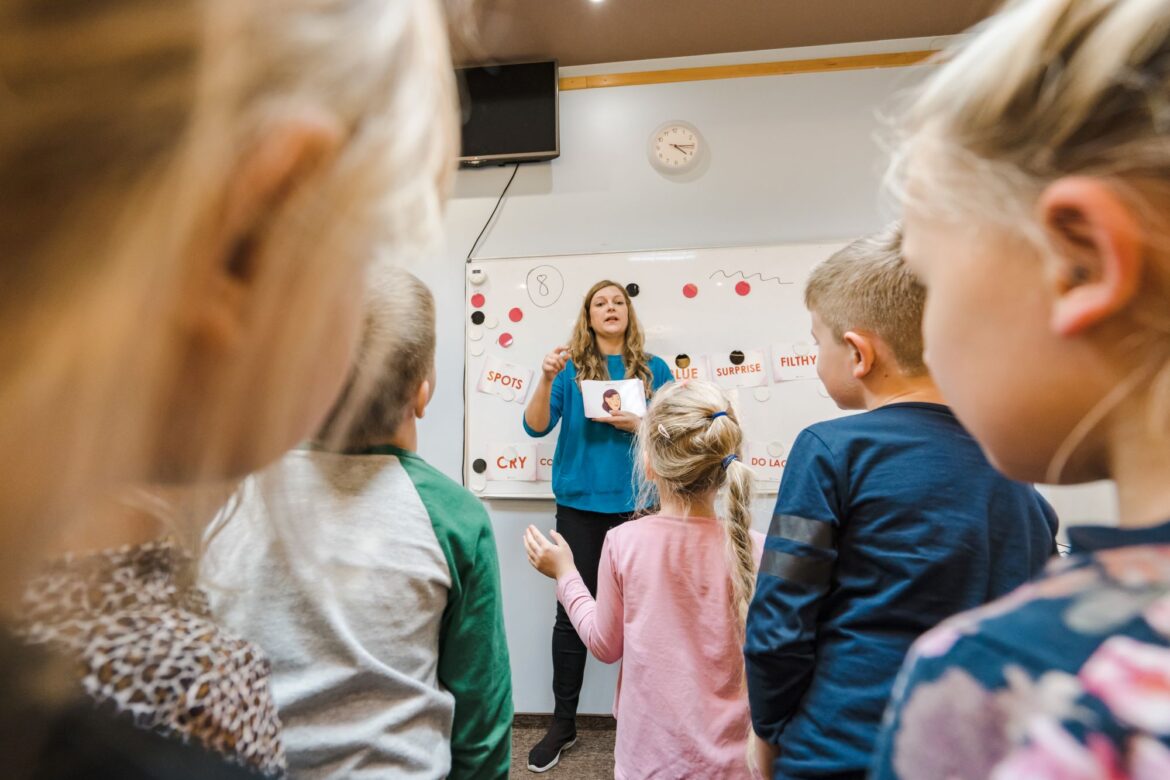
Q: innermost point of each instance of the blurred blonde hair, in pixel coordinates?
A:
(687, 449)
(1047, 89)
(120, 122)
(590, 363)
(866, 286)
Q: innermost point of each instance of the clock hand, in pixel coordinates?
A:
(683, 147)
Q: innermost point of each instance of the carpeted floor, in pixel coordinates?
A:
(590, 759)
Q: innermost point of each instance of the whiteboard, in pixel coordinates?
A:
(734, 315)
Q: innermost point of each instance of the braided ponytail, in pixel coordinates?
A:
(691, 439)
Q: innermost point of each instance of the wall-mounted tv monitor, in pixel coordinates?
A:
(509, 113)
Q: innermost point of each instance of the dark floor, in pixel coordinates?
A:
(590, 759)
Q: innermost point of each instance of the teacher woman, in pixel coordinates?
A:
(592, 470)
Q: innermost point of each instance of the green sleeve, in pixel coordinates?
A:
(473, 651)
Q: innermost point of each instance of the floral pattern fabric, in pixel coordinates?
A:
(1067, 678)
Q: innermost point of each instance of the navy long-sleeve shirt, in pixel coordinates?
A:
(887, 522)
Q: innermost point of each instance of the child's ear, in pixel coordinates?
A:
(288, 152)
(861, 349)
(422, 397)
(1096, 265)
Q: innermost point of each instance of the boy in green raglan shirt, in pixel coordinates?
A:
(371, 579)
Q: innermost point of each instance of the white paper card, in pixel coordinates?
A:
(794, 360)
(767, 466)
(695, 367)
(512, 462)
(505, 380)
(749, 372)
(544, 461)
(604, 398)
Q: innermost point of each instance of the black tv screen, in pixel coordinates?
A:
(509, 113)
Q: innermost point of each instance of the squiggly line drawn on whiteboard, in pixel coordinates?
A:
(545, 285)
(745, 277)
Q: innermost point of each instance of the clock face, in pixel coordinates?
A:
(675, 147)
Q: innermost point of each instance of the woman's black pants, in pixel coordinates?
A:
(585, 533)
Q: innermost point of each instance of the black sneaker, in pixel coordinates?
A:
(561, 736)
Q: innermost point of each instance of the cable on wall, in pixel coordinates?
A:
(493, 214)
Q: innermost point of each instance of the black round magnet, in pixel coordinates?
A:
(479, 465)
(736, 357)
(477, 317)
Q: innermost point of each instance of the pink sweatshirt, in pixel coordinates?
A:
(663, 608)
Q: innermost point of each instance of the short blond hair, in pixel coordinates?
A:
(395, 356)
(867, 286)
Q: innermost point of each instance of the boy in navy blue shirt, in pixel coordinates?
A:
(887, 522)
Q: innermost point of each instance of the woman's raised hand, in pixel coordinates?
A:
(554, 362)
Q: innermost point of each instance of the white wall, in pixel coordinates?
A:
(793, 159)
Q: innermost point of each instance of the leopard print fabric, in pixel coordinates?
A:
(144, 641)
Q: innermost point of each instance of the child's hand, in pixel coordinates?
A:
(622, 420)
(554, 362)
(552, 559)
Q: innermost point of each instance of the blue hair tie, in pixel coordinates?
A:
(717, 415)
(728, 459)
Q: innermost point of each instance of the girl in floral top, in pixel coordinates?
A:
(1035, 172)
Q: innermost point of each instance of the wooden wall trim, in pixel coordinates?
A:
(822, 65)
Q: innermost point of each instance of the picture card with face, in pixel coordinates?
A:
(767, 461)
(603, 398)
(505, 380)
(740, 368)
(544, 461)
(687, 367)
(792, 360)
(511, 462)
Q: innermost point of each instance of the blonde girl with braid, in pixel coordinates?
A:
(673, 590)
(593, 468)
(1034, 169)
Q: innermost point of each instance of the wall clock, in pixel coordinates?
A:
(676, 147)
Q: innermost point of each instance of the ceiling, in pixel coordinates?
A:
(580, 32)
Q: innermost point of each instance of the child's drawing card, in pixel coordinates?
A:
(511, 462)
(602, 399)
(792, 360)
(740, 368)
(766, 460)
(687, 367)
(545, 452)
(505, 380)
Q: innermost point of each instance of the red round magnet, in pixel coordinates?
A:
(505, 340)
(690, 290)
(477, 300)
(516, 314)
